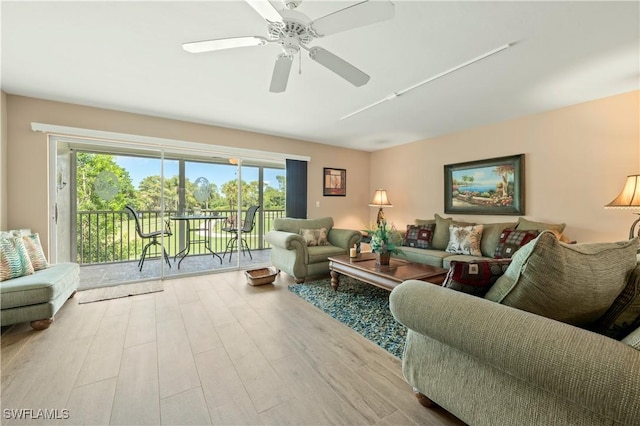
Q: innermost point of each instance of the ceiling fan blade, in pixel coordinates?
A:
(338, 65)
(266, 10)
(223, 43)
(360, 14)
(281, 71)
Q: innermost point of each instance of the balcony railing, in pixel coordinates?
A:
(109, 236)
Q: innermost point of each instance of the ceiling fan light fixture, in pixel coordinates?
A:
(223, 43)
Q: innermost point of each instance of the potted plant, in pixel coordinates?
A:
(384, 242)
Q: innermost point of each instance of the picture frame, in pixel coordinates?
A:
(334, 182)
(493, 186)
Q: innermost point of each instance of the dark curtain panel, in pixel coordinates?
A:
(296, 201)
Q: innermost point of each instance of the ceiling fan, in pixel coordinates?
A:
(293, 31)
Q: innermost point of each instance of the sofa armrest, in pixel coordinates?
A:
(600, 373)
(344, 238)
(285, 240)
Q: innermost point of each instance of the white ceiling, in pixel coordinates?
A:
(127, 56)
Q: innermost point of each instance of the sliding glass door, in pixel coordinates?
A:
(129, 214)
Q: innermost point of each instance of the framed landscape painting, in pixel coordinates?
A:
(334, 182)
(492, 186)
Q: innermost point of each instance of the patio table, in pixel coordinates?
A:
(196, 239)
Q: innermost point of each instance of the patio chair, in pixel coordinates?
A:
(247, 226)
(152, 236)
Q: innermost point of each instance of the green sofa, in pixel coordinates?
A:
(437, 255)
(554, 342)
(292, 254)
(37, 297)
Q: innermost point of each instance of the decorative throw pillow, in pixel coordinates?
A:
(475, 277)
(419, 236)
(624, 314)
(441, 233)
(572, 283)
(491, 236)
(35, 252)
(465, 240)
(511, 240)
(314, 237)
(14, 260)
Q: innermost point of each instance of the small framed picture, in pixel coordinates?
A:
(334, 182)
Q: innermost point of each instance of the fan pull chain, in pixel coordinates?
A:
(299, 62)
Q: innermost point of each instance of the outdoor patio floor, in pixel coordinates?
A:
(108, 274)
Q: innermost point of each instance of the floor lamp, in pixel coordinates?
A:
(380, 200)
(629, 198)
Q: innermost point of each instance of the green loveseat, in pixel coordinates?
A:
(528, 353)
(292, 254)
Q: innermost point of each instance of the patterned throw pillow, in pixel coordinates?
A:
(419, 236)
(511, 240)
(475, 277)
(315, 237)
(35, 252)
(465, 240)
(14, 260)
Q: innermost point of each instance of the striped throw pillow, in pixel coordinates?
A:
(35, 252)
(14, 260)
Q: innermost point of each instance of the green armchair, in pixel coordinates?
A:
(300, 258)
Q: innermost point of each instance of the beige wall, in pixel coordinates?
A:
(27, 173)
(3, 160)
(576, 161)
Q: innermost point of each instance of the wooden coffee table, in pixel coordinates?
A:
(364, 268)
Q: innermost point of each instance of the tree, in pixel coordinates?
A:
(96, 191)
(249, 193)
(504, 171)
(89, 166)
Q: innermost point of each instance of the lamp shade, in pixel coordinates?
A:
(630, 195)
(380, 199)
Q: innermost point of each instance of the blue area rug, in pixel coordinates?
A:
(361, 306)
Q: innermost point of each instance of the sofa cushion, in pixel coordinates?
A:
(530, 225)
(465, 239)
(427, 256)
(475, 277)
(319, 254)
(424, 221)
(40, 287)
(288, 224)
(572, 283)
(14, 259)
(419, 236)
(440, 239)
(511, 240)
(491, 236)
(35, 252)
(624, 314)
(314, 237)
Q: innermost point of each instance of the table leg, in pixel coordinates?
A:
(335, 280)
(184, 252)
(207, 239)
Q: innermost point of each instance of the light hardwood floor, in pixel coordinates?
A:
(207, 350)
